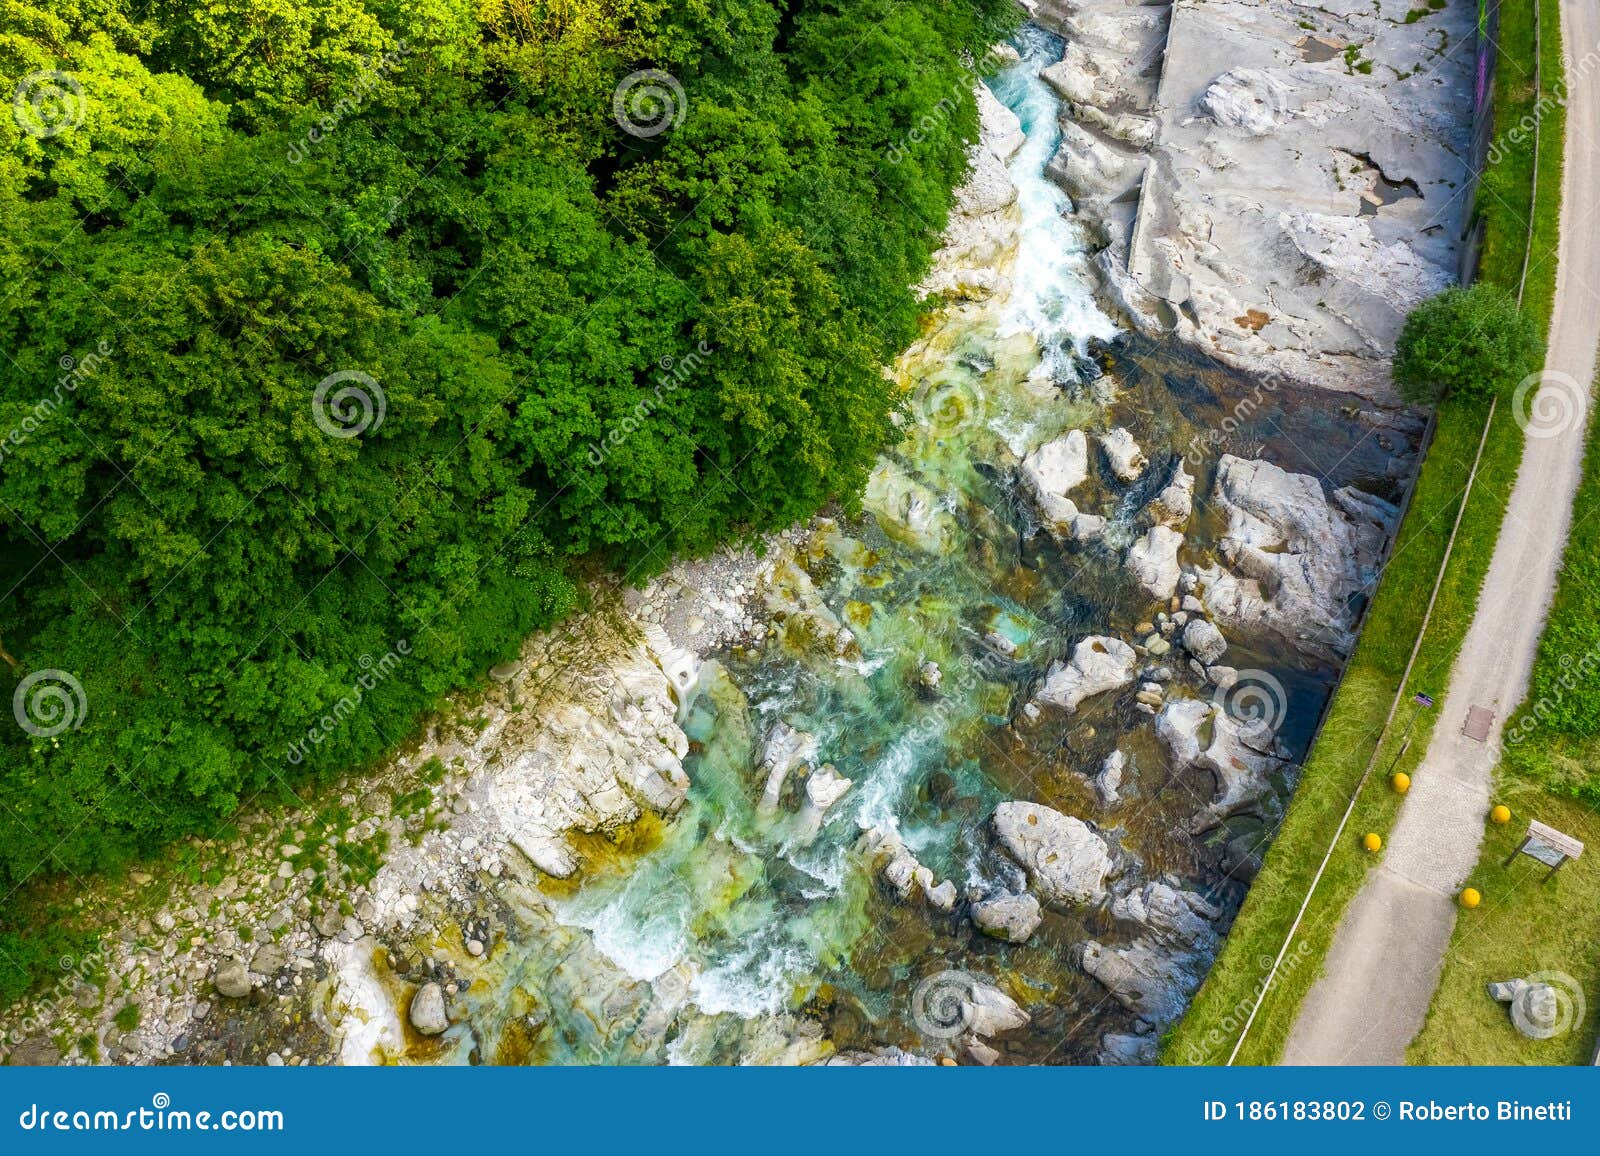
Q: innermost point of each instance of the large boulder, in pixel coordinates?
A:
(1251, 99)
(427, 1012)
(785, 750)
(1053, 471)
(1123, 454)
(1153, 561)
(1065, 859)
(1013, 918)
(1295, 560)
(1241, 754)
(1173, 505)
(1178, 920)
(1099, 663)
(1204, 641)
(1150, 983)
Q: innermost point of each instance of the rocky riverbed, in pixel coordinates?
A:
(978, 776)
(1273, 181)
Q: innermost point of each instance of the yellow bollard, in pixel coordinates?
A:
(1372, 841)
(1501, 814)
(1470, 897)
(1401, 782)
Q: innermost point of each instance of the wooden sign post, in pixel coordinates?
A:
(1548, 846)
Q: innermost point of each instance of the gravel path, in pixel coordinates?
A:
(1387, 955)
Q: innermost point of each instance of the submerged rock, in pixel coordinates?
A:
(1066, 861)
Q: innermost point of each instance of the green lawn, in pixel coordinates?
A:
(1354, 725)
(1524, 926)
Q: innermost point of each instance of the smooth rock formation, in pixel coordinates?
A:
(1296, 562)
(1099, 663)
(1123, 454)
(1065, 860)
(1013, 918)
(427, 1012)
(1276, 196)
(1241, 755)
(1153, 561)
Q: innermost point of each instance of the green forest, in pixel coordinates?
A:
(344, 336)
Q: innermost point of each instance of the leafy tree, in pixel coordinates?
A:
(591, 347)
(1465, 343)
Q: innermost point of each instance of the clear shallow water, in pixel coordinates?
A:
(733, 927)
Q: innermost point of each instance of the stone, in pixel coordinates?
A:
(231, 980)
(474, 947)
(1099, 663)
(1108, 782)
(1204, 641)
(981, 1053)
(1066, 860)
(1241, 754)
(1153, 561)
(929, 676)
(1123, 454)
(427, 1012)
(1053, 471)
(988, 1011)
(1295, 560)
(1013, 918)
(1173, 506)
(269, 959)
(785, 749)
(1149, 983)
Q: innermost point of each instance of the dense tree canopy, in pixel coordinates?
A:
(208, 211)
(1470, 343)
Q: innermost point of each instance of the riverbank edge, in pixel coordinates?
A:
(1353, 727)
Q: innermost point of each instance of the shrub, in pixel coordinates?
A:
(1465, 343)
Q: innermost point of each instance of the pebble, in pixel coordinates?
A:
(474, 947)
